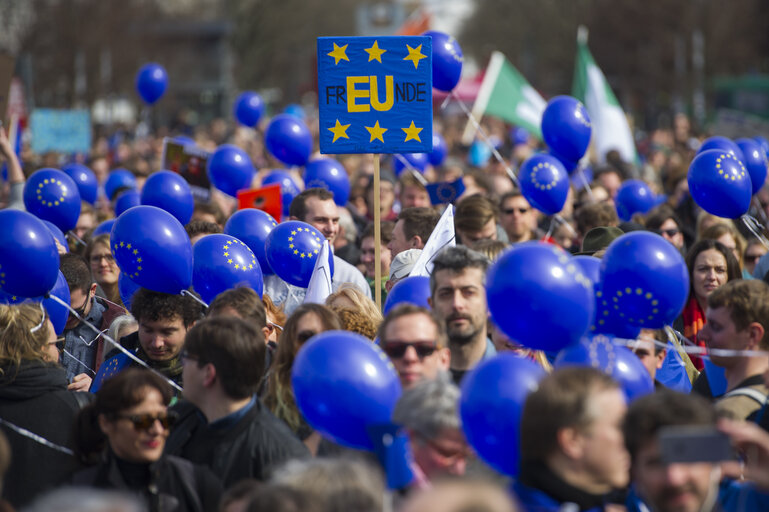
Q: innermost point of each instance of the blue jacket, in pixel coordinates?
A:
(534, 500)
(733, 496)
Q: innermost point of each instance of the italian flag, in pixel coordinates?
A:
(610, 126)
(505, 93)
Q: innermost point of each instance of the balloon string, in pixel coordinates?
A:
(410, 167)
(113, 342)
(446, 102)
(761, 211)
(187, 293)
(35, 437)
(550, 229)
(703, 352)
(81, 363)
(77, 238)
(486, 139)
(566, 223)
(581, 171)
(748, 221)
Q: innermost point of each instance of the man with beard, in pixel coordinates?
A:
(458, 297)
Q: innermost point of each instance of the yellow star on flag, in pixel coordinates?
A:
(339, 53)
(415, 55)
(412, 133)
(377, 132)
(375, 53)
(339, 130)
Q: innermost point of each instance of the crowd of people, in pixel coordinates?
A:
(205, 418)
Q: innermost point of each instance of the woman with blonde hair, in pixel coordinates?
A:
(34, 397)
(350, 297)
(727, 234)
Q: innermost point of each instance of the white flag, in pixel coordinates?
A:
(442, 236)
(320, 282)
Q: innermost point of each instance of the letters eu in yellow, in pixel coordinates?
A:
(362, 93)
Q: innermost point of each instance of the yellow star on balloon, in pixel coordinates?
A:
(377, 132)
(412, 133)
(339, 130)
(375, 53)
(339, 53)
(415, 55)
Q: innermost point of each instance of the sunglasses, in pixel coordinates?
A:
(753, 258)
(145, 421)
(303, 336)
(510, 211)
(397, 349)
(81, 310)
(669, 232)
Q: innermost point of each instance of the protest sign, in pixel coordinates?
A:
(66, 131)
(189, 161)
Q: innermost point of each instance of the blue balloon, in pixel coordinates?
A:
(633, 196)
(171, 192)
(126, 288)
(723, 144)
(519, 135)
(343, 383)
(439, 152)
(569, 165)
(230, 169)
(491, 406)
(329, 174)
(221, 262)
(126, 200)
(252, 226)
(601, 353)
(151, 82)
(544, 183)
(57, 234)
(288, 187)
(295, 110)
(249, 108)
(479, 154)
(117, 179)
(716, 377)
(288, 139)
(411, 290)
(418, 161)
(591, 267)
(645, 279)
(763, 142)
(85, 180)
(29, 261)
(720, 184)
(608, 320)
(53, 196)
(447, 60)
(103, 228)
(292, 248)
(566, 127)
(538, 296)
(57, 313)
(582, 178)
(755, 162)
(152, 248)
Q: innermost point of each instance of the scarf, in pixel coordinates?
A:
(694, 319)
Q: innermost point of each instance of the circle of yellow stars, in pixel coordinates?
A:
(732, 173)
(132, 258)
(622, 298)
(48, 196)
(308, 253)
(611, 356)
(376, 132)
(581, 115)
(539, 171)
(572, 268)
(238, 261)
(2, 276)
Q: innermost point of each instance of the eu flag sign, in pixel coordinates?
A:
(375, 94)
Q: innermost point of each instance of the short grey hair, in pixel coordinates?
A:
(457, 259)
(81, 499)
(118, 323)
(429, 407)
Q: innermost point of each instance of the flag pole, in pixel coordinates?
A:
(377, 238)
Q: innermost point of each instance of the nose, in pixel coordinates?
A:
(675, 474)
(157, 341)
(410, 356)
(156, 428)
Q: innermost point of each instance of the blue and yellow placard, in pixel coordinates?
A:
(375, 94)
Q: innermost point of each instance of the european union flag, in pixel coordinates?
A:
(445, 192)
(108, 369)
(375, 94)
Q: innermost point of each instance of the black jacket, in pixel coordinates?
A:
(170, 485)
(36, 399)
(171, 369)
(250, 448)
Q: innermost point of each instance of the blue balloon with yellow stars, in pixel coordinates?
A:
(221, 262)
(329, 174)
(85, 180)
(252, 226)
(755, 162)
(171, 192)
(544, 183)
(126, 200)
(539, 297)
(152, 248)
(288, 139)
(56, 312)
(126, 288)
(292, 248)
(344, 383)
(723, 144)
(117, 179)
(447, 60)
(633, 196)
(645, 280)
(720, 184)
(29, 261)
(288, 187)
(600, 352)
(566, 127)
(439, 152)
(51, 195)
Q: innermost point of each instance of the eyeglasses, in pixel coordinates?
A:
(669, 232)
(397, 349)
(303, 336)
(145, 421)
(753, 258)
(96, 258)
(510, 211)
(59, 342)
(272, 326)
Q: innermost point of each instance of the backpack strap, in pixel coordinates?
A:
(748, 392)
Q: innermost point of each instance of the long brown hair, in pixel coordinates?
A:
(280, 395)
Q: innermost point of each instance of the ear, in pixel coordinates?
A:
(570, 442)
(430, 302)
(416, 242)
(209, 376)
(661, 357)
(266, 333)
(444, 358)
(104, 424)
(92, 290)
(756, 334)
